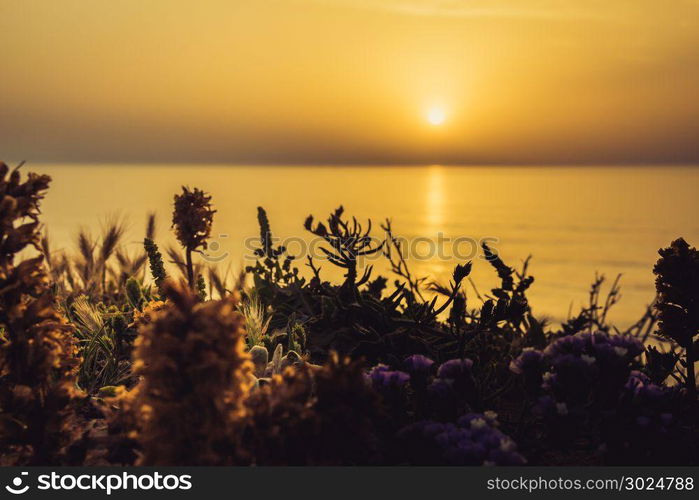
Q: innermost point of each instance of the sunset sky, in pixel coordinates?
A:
(350, 81)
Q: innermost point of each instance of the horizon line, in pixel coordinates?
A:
(625, 163)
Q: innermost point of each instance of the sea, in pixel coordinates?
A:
(573, 223)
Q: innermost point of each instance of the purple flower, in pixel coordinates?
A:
(474, 441)
(441, 388)
(382, 376)
(455, 369)
(418, 365)
(571, 344)
(530, 361)
(489, 418)
(379, 368)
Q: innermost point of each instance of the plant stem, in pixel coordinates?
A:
(190, 269)
(691, 377)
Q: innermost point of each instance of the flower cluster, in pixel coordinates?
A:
(418, 366)
(645, 427)
(192, 220)
(382, 377)
(677, 284)
(579, 370)
(589, 382)
(473, 440)
(453, 391)
(194, 373)
(424, 390)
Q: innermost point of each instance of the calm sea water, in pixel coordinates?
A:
(574, 221)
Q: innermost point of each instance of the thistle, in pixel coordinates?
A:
(37, 355)
(192, 219)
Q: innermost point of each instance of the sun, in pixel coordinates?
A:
(436, 116)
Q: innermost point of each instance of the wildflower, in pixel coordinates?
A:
(677, 284)
(379, 368)
(192, 219)
(473, 441)
(461, 271)
(388, 378)
(147, 313)
(590, 360)
(418, 365)
(441, 388)
(530, 360)
(491, 417)
(589, 367)
(621, 351)
(478, 423)
(462, 390)
(507, 445)
(37, 353)
(455, 369)
(194, 373)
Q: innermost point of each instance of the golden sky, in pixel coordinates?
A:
(350, 81)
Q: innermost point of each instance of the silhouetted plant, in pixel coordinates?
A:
(593, 316)
(576, 381)
(274, 263)
(348, 242)
(659, 365)
(111, 236)
(192, 218)
(201, 287)
(37, 354)
(314, 416)
(646, 426)
(155, 259)
(393, 251)
(195, 374)
(442, 360)
(677, 284)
